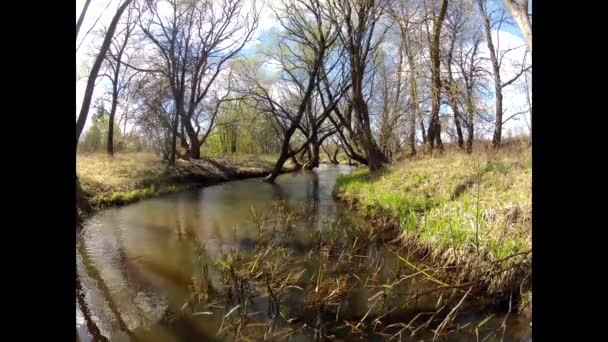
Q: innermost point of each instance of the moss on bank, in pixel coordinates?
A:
(470, 213)
(129, 177)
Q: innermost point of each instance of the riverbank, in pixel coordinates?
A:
(129, 177)
(467, 217)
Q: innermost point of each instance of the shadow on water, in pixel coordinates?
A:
(185, 266)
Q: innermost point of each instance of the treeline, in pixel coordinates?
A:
(374, 79)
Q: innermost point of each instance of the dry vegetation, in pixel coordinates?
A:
(470, 215)
(276, 293)
(128, 177)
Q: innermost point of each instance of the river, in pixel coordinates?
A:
(139, 265)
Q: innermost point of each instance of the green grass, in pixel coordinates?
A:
(125, 197)
(457, 206)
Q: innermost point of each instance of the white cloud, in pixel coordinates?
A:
(514, 96)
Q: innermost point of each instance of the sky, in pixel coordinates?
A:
(100, 14)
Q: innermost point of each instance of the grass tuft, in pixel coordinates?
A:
(465, 210)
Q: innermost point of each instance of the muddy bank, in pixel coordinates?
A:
(502, 284)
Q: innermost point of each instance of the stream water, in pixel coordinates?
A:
(137, 266)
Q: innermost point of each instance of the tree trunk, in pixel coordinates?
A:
(195, 144)
(174, 140)
(451, 89)
(334, 159)
(457, 120)
(412, 135)
(375, 157)
(233, 139)
(88, 93)
(313, 150)
(471, 131)
(295, 162)
(111, 126)
(423, 130)
(303, 155)
(348, 149)
(182, 138)
(497, 137)
(278, 166)
(81, 17)
(434, 131)
(438, 137)
(413, 89)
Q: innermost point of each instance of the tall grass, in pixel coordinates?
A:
(461, 210)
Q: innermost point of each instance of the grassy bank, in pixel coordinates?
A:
(129, 177)
(469, 216)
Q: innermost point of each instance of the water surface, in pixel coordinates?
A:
(137, 265)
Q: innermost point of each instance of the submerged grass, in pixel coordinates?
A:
(471, 212)
(345, 285)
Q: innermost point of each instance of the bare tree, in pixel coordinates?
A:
(118, 75)
(388, 100)
(434, 130)
(81, 201)
(470, 74)
(357, 20)
(302, 49)
(155, 112)
(105, 46)
(455, 21)
(193, 45)
(496, 59)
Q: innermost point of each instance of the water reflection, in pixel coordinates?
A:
(138, 265)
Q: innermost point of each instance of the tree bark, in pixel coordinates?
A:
(497, 136)
(456, 110)
(451, 89)
(110, 146)
(182, 139)
(334, 159)
(416, 110)
(81, 17)
(88, 93)
(434, 131)
(174, 140)
(471, 131)
(423, 130)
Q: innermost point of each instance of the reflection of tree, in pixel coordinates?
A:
(116, 228)
(277, 191)
(93, 273)
(91, 326)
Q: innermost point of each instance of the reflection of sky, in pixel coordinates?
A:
(147, 253)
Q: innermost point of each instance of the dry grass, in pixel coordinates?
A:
(122, 172)
(128, 177)
(470, 213)
(272, 292)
